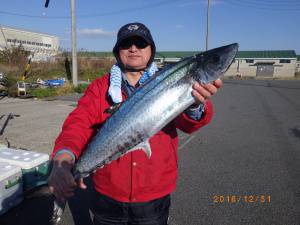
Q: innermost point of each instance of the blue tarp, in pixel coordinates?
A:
(55, 82)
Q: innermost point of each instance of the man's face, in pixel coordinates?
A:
(135, 53)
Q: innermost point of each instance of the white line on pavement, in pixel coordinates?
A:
(186, 142)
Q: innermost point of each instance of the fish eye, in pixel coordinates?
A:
(215, 58)
(200, 58)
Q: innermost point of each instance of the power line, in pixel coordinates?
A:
(275, 1)
(115, 12)
(259, 5)
(272, 3)
(32, 16)
(120, 11)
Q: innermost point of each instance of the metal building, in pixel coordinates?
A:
(41, 45)
(264, 64)
(298, 64)
(281, 64)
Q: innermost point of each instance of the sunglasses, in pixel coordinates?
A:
(140, 43)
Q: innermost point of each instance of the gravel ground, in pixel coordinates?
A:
(39, 123)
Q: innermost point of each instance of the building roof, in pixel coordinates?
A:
(25, 30)
(157, 55)
(240, 54)
(179, 54)
(182, 54)
(267, 54)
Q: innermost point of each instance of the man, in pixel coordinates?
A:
(132, 190)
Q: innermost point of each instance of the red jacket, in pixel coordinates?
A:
(133, 177)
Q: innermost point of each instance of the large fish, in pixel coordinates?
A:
(152, 106)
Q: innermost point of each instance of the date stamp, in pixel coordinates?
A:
(232, 199)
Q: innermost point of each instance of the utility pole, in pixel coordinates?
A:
(207, 24)
(74, 44)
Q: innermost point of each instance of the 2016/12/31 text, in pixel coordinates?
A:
(241, 198)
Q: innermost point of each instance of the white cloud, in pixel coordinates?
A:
(98, 33)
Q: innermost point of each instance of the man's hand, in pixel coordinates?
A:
(61, 181)
(202, 92)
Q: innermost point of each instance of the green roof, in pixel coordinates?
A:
(267, 54)
(241, 54)
(182, 54)
(298, 57)
(175, 54)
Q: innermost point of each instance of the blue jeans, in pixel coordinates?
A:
(111, 212)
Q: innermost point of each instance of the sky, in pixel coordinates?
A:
(176, 25)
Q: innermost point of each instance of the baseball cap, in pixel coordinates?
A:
(131, 30)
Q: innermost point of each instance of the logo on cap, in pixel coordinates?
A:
(133, 27)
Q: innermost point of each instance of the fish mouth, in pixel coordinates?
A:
(224, 56)
(213, 63)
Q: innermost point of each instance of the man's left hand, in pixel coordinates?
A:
(202, 92)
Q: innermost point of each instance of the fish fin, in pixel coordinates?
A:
(112, 109)
(144, 146)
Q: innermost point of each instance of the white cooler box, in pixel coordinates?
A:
(11, 186)
(34, 165)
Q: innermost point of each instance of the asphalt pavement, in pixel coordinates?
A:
(243, 168)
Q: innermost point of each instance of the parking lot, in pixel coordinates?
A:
(249, 152)
(38, 124)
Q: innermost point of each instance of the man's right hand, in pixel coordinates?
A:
(61, 181)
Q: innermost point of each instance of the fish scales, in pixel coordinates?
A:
(141, 116)
(162, 98)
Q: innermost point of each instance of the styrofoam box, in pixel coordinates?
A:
(11, 186)
(34, 165)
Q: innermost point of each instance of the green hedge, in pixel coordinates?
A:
(81, 88)
(43, 92)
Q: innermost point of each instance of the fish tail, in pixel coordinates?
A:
(58, 210)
